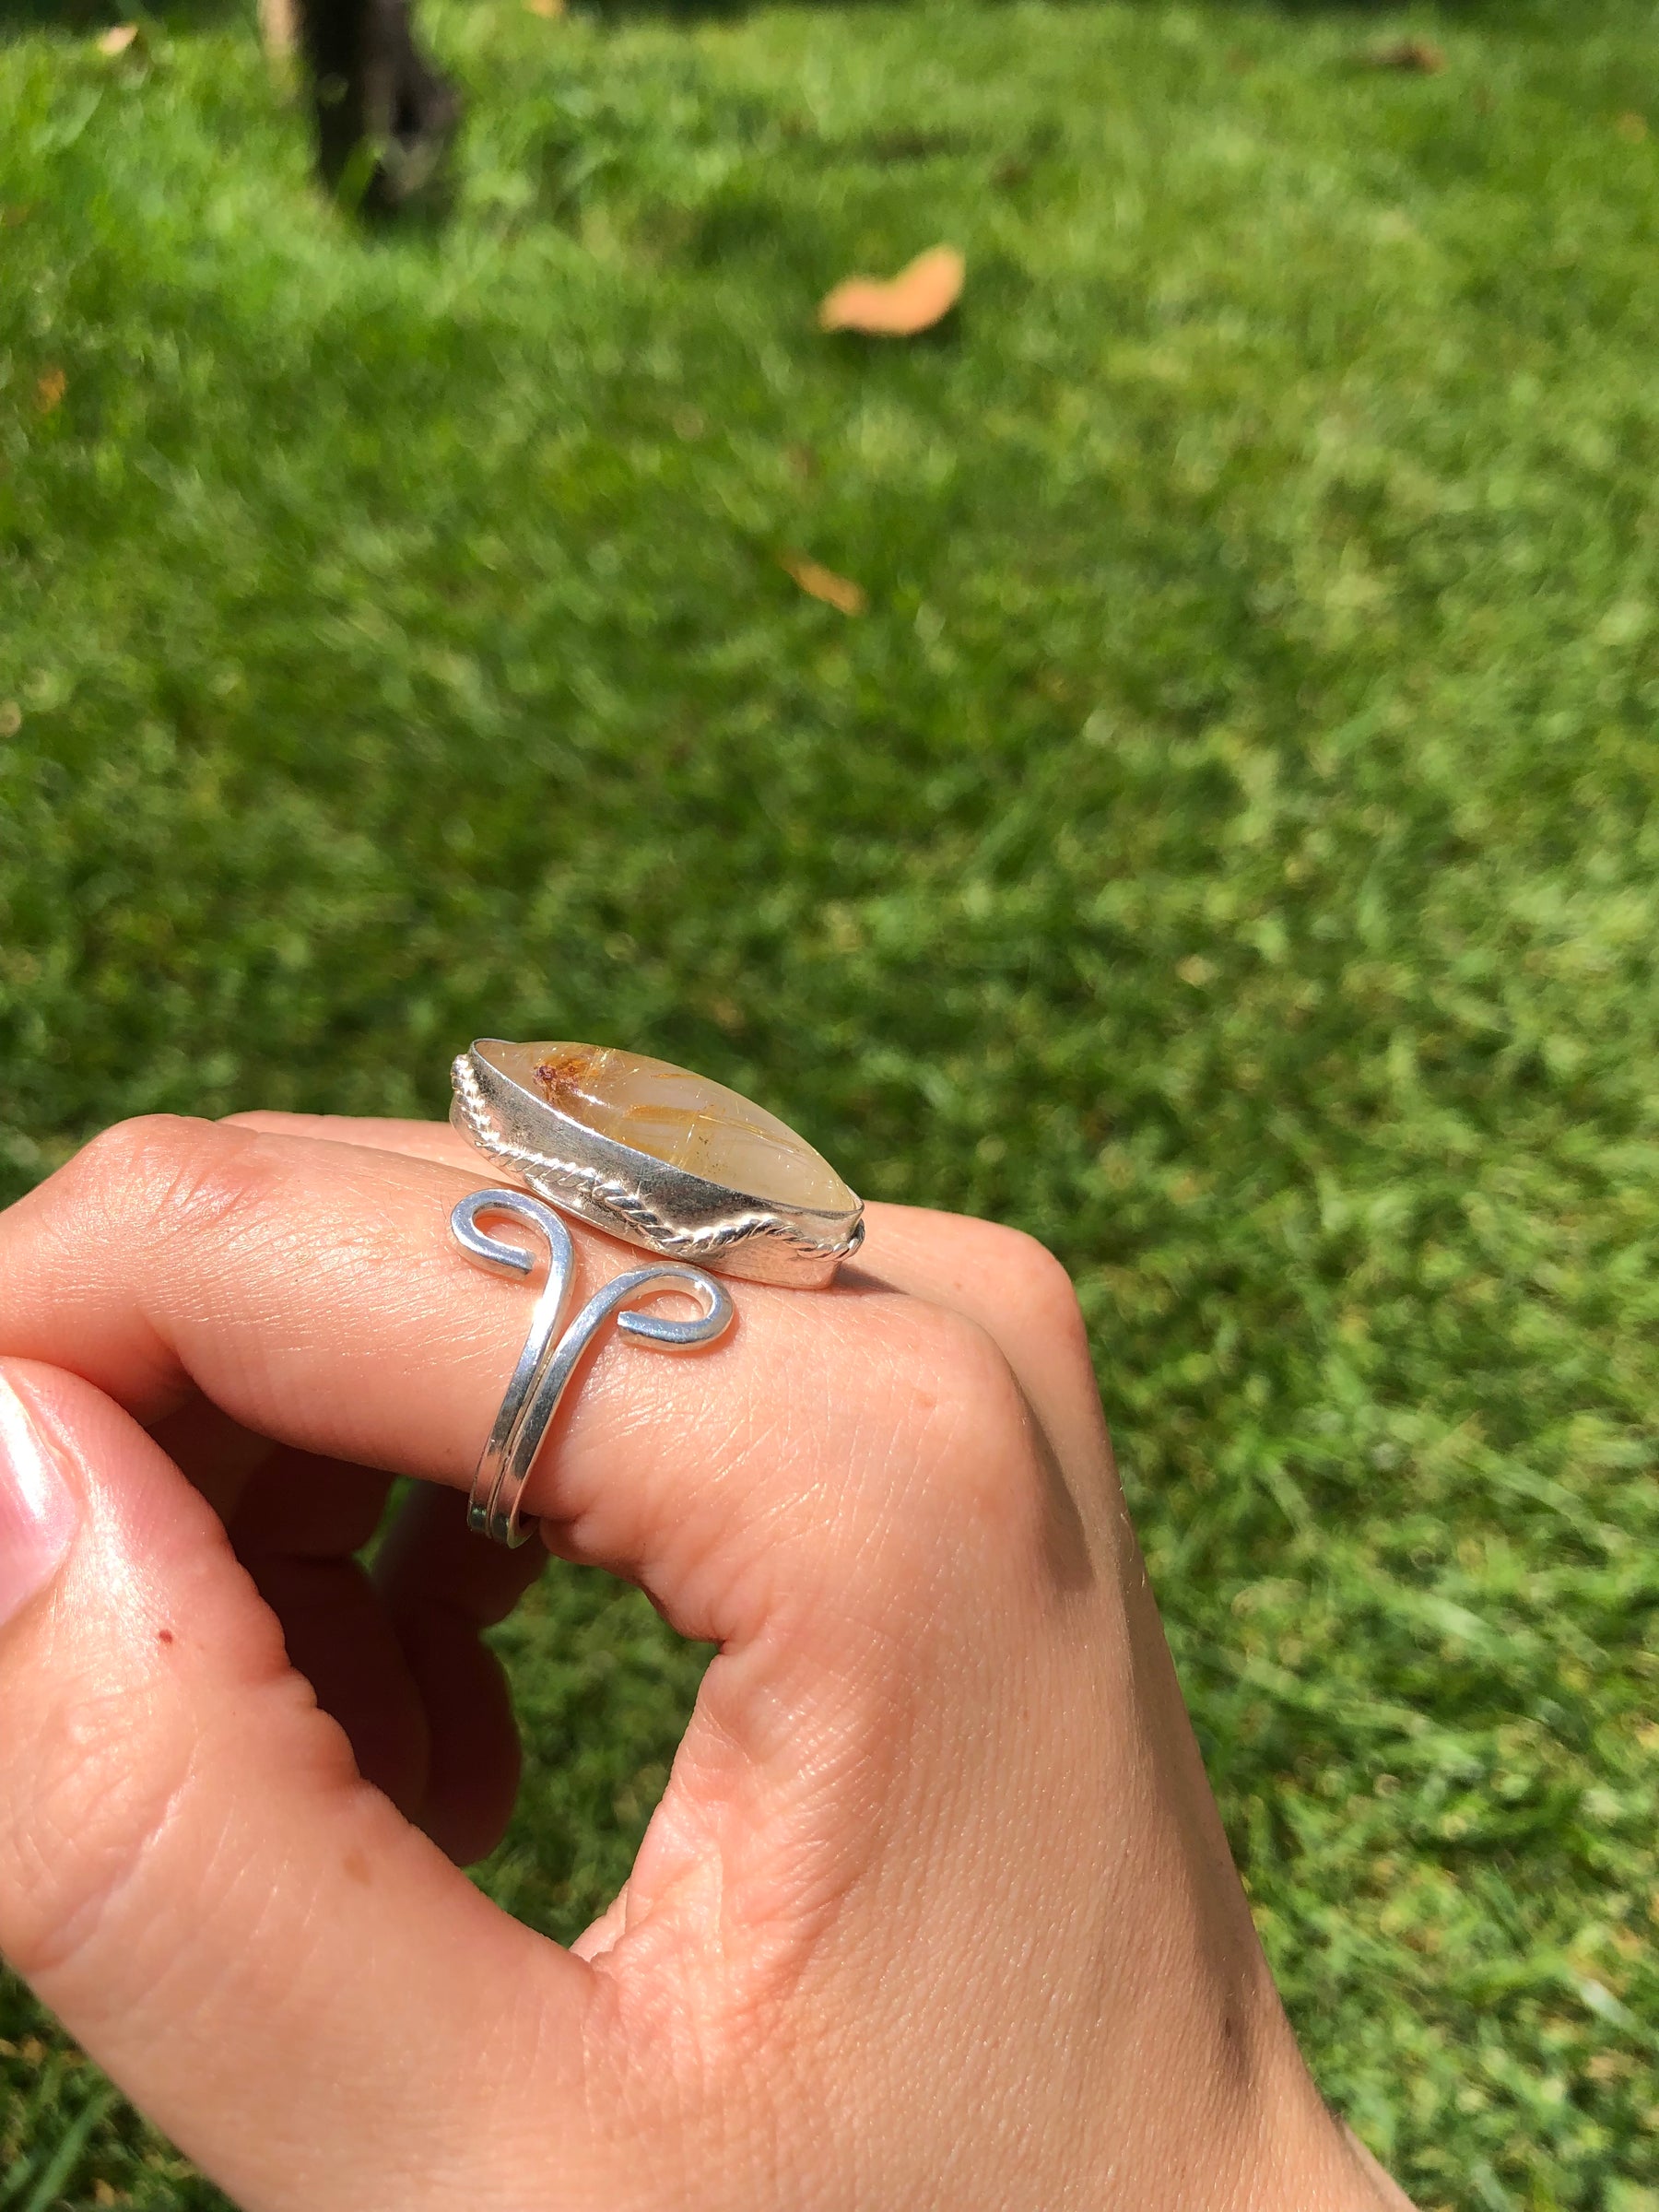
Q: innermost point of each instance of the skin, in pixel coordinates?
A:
(936, 1908)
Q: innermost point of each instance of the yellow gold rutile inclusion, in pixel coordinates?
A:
(676, 1117)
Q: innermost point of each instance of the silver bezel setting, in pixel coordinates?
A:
(629, 1195)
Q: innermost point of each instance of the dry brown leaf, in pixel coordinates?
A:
(1421, 55)
(117, 38)
(49, 389)
(820, 583)
(550, 9)
(899, 307)
(1632, 127)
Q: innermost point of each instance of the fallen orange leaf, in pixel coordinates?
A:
(50, 388)
(820, 583)
(899, 307)
(118, 38)
(1421, 55)
(551, 9)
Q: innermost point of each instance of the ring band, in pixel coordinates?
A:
(548, 1362)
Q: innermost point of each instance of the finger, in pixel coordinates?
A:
(218, 1454)
(295, 1983)
(311, 1290)
(296, 1529)
(295, 1521)
(419, 1140)
(1009, 1283)
(438, 1586)
(1016, 1290)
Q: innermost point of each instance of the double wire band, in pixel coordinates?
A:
(549, 1362)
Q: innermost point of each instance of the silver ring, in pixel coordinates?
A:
(659, 1157)
(548, 1360)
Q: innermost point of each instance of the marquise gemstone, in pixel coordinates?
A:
(675, 1116)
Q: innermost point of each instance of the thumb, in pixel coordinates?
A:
(292, 1981)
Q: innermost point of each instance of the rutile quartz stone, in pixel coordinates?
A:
(671, 1114)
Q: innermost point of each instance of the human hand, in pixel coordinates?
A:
(936, 1909)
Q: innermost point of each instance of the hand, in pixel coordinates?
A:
(937, 1909)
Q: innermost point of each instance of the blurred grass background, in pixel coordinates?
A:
(1226, 847)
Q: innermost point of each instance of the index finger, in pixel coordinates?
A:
(311, 1290)
(1007, 1284)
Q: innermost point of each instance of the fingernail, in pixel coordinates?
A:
(39, 1514)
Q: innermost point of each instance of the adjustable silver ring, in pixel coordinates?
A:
(653, 1154)
(548, 1362)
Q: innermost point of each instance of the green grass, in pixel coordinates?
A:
(1227, 846)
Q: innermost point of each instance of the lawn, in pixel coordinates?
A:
(1226, 846)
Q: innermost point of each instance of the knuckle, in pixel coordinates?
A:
(1039, 1284)
(965, 1375)
(965, 1483)
(166, 1172)
(149, 1145)
(984, 1485)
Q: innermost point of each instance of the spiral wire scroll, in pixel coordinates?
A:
(549, 1361)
